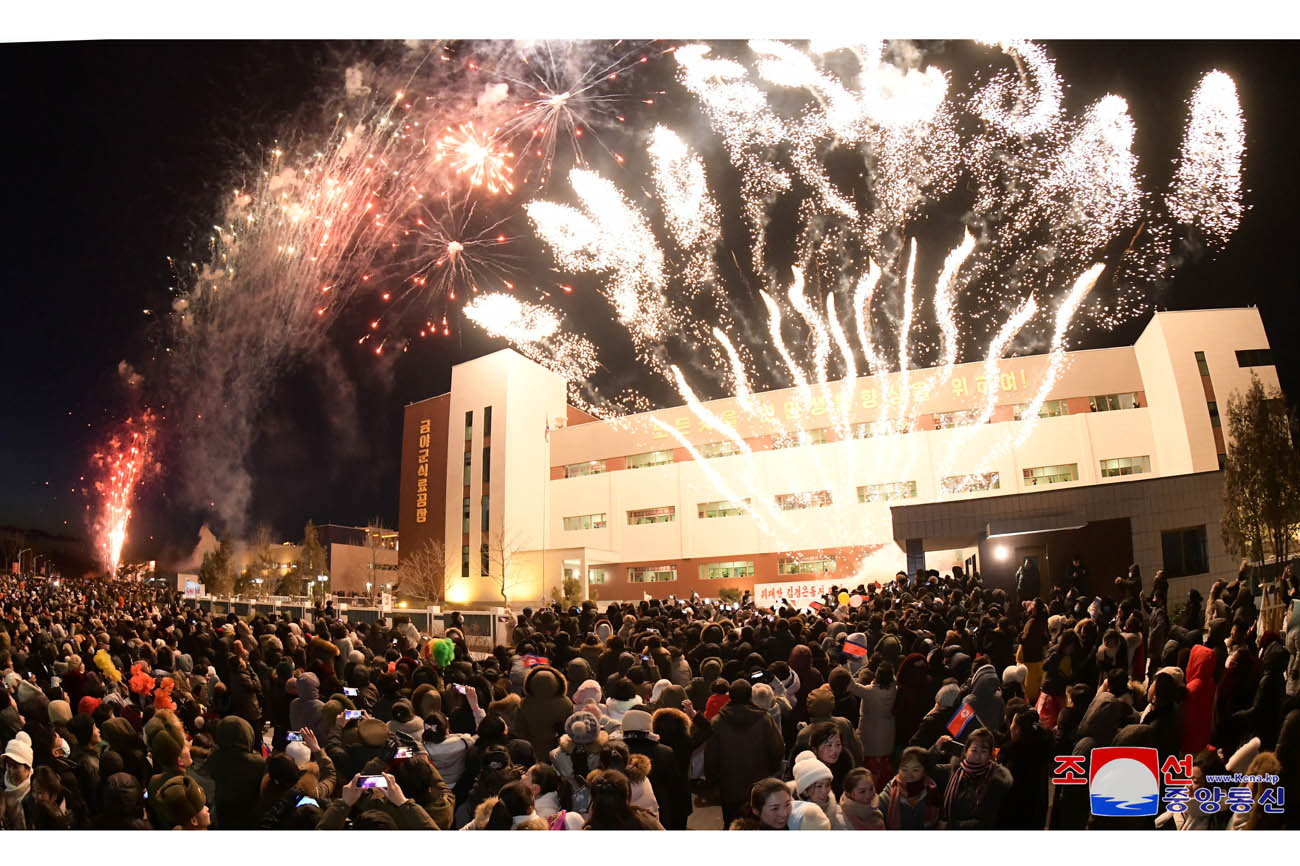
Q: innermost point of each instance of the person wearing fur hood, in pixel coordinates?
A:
(544, 709)
(512, 809)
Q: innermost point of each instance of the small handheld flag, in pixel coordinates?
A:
(852, 649)
(961, 719)
(532, 660)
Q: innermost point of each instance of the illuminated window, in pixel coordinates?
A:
(800, 438)
(597, 575)
(1049, 409)
(723, 508)
(467, 458)
(725, 448)
(650, 458)
(724, 570)
(591, 467)
(886, 492)
(1112, 402)
(464, 560)
(885, 427)
(469, 426)
(652, 573)
(810, 499)
(977, 481)
(642, 516)
(799, 565)
(1117, 466)
(1040, 475)
(961, 418)
(585, 521)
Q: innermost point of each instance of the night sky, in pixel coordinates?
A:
(119, 155)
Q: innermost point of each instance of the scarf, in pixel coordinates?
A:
(965, 772)
(898, 792)
(16, 793)
(861, 816)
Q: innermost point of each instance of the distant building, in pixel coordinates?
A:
(886, 473)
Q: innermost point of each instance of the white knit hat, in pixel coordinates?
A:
(19, 749)
(300, 753)
(808, 771)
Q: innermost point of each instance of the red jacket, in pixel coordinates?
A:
(1198, 707)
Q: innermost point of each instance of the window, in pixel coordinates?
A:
(485, 514)
(723, 508)
(464, 560)
(591, 467)
(642, 516)
(467, 458)
(486, 560)
(1118, 466)
(597, 575)
(652, 573)
(1184, 551)
(1205, 368)
(1223, 461)
(885, 427)
(487, 421)
(469, 426)
(1049, 409)
(1254, 357)
(487, 464)
(724, 570)
(650, 458)
(961, 418)
(1039, 475)
(800, 438)
(1214, 414)
(464, 524)
(725, 448)
(968, 483)
(797, 565)
(1111, 402)
(887, 492)
(585, 521)
(797, 501)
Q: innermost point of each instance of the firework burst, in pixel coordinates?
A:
(482, 160)
(1207, 184)
(124, 461)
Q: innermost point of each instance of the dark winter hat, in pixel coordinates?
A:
(178, 800)
(496, 758)
(740, 692)
(282, 770)
(821, 701)
(82, 726)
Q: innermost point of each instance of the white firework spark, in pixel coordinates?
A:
(1207, 183)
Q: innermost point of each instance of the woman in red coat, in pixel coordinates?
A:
(1198, 707)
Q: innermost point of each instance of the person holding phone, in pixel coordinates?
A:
(375, 802)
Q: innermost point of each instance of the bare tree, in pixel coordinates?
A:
(422, 572)
(502, 550)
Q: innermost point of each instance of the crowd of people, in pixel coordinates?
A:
(930, 701)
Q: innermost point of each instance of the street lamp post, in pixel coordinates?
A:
(20, 558)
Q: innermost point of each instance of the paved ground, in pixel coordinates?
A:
(705, 817)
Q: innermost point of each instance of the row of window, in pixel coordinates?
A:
(721, 570)
(864, 430)
(885, 492)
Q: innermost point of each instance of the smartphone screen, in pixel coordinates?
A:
(373, 782)
(402, 753)
(308, 801)
(350, 692)
(351, 714)
(295, 737)
(460, 688)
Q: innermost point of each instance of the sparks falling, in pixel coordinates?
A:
(124, 461)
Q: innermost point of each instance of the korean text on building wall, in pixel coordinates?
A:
(792, 590)
(422, 472)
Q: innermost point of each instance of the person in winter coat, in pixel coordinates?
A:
(1195, 817)
(386, 808)
(935, 722)
(448, 752)
(637, 768)
(1028, 757)
(915, 697)
(1110, 711)
(611, 805)
(245, 689)
(1033, 644)
(986, 698)
(745, 746)
(1198, 705)
(18, 812)
(809, 678)
(821, 703)
(237, 769)
(512, 809)
(578, 754)
(770, 807)
(671, 786)
(812, 784)
(552, 798)
(858, 802)
(305, 710)
(911, 799)
(876, 719)
(973, 786)
(1029, 583)
(1263, 717)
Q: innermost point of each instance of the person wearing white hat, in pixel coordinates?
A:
(18, 799)
(812, 784)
